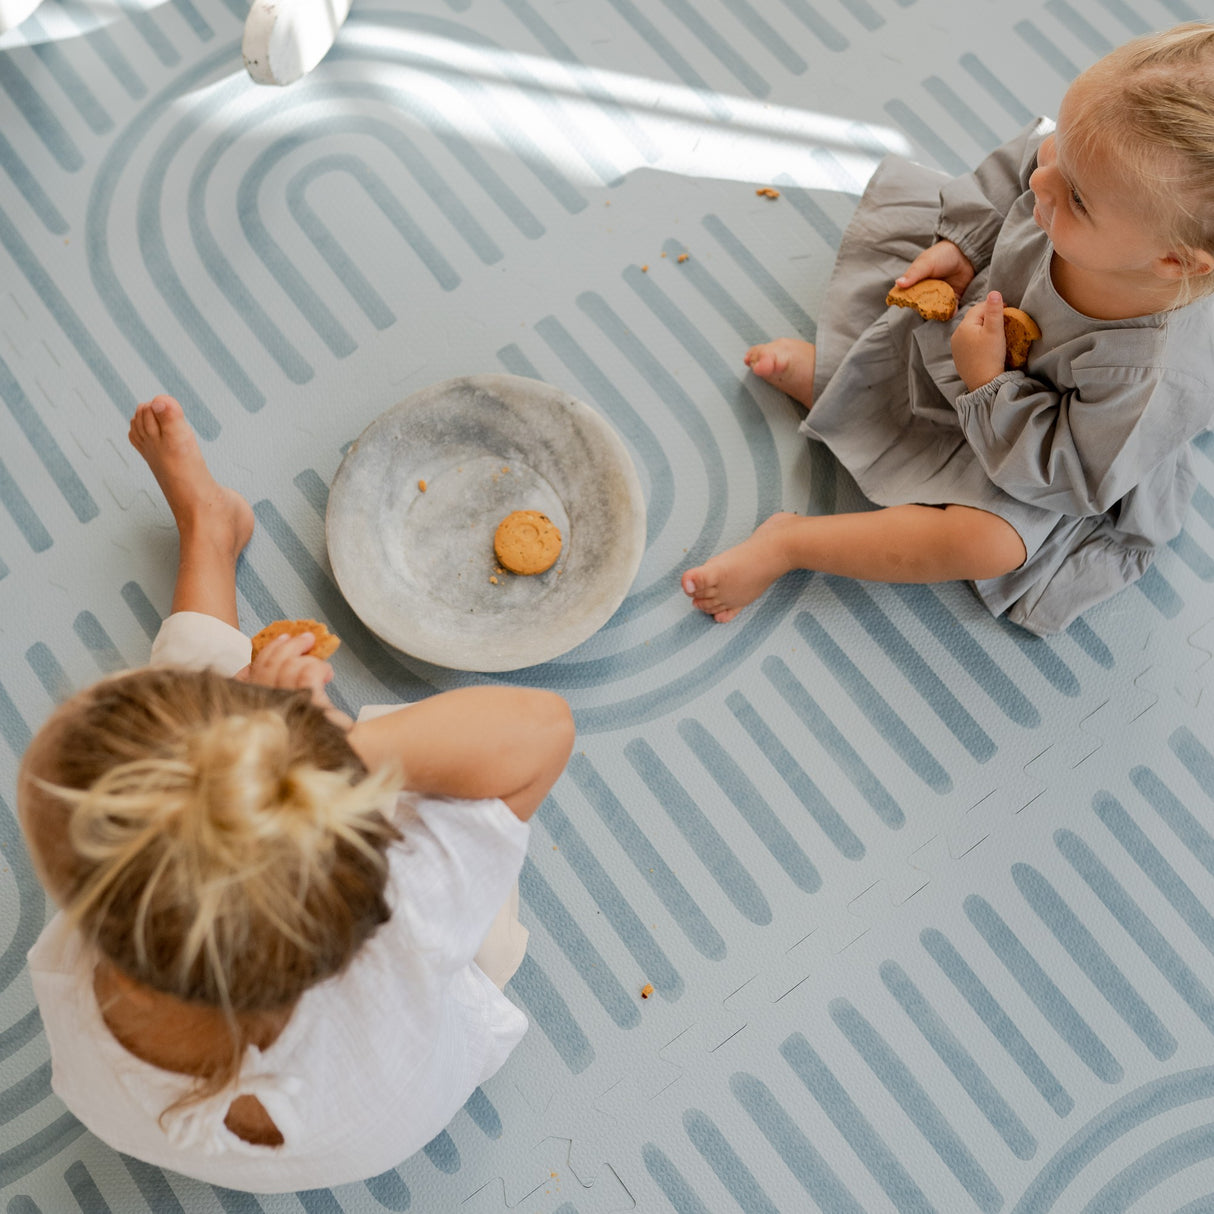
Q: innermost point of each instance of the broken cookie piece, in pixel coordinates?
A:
(1020, 330)
(932, 298)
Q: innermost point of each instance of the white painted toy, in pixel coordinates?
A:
(13, 12)
(283, 39)
(286, 39)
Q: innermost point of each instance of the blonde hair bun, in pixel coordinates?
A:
(217, 840)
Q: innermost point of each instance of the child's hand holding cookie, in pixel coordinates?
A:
(286, 662)
(943, 260)
(978, 343)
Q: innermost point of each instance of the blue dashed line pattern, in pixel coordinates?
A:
(926, 903)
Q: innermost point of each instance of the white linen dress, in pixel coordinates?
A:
(373, 1062)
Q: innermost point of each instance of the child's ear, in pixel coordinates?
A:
(1185, 263)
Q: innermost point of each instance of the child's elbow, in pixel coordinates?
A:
(555, 723)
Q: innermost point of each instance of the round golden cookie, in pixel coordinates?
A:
(527, 542)
(326, 642)
(932, 298)
(1020, 330)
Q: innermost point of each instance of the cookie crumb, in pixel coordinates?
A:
(493, 579)
(421, 486)
(647, 990)
(645, 269)
(768, 192)
(682, 257)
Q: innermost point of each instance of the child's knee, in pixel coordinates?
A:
(1008, 551)
(990, 544)
(559, 722)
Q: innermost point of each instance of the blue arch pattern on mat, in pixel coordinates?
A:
(927, 903)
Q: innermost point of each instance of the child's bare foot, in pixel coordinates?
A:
(786, 363)
(201, 506)
(725, 583)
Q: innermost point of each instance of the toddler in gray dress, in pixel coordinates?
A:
(1052, 486)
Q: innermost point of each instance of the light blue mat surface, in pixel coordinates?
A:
(926, 902)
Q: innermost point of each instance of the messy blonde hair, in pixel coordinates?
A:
(1153, 100)
(216, 840)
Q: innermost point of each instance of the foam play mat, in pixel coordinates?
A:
(926, 902)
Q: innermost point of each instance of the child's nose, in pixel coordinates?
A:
(1041, 181)
(1040, 176)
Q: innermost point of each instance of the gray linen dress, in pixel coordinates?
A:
(1085, 451)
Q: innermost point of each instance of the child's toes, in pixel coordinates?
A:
(160, 414)
(764, 364)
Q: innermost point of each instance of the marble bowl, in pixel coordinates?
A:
(417, 565)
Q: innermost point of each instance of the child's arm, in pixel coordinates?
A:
(974, 206)
(476, 742)
(506, 742)
(972, 210)
(1079, 450)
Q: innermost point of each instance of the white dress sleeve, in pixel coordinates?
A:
(454, 868)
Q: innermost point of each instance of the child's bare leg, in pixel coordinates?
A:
(786, 363)
(897, 544)
(214, 523)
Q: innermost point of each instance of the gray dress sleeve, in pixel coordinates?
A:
(974, 206)
(1080, 451)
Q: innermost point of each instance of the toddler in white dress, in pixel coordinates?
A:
(283, 933)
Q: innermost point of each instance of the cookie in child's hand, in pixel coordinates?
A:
(932, 298)
(527, 542)
(326, 642)
(1019, 332)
